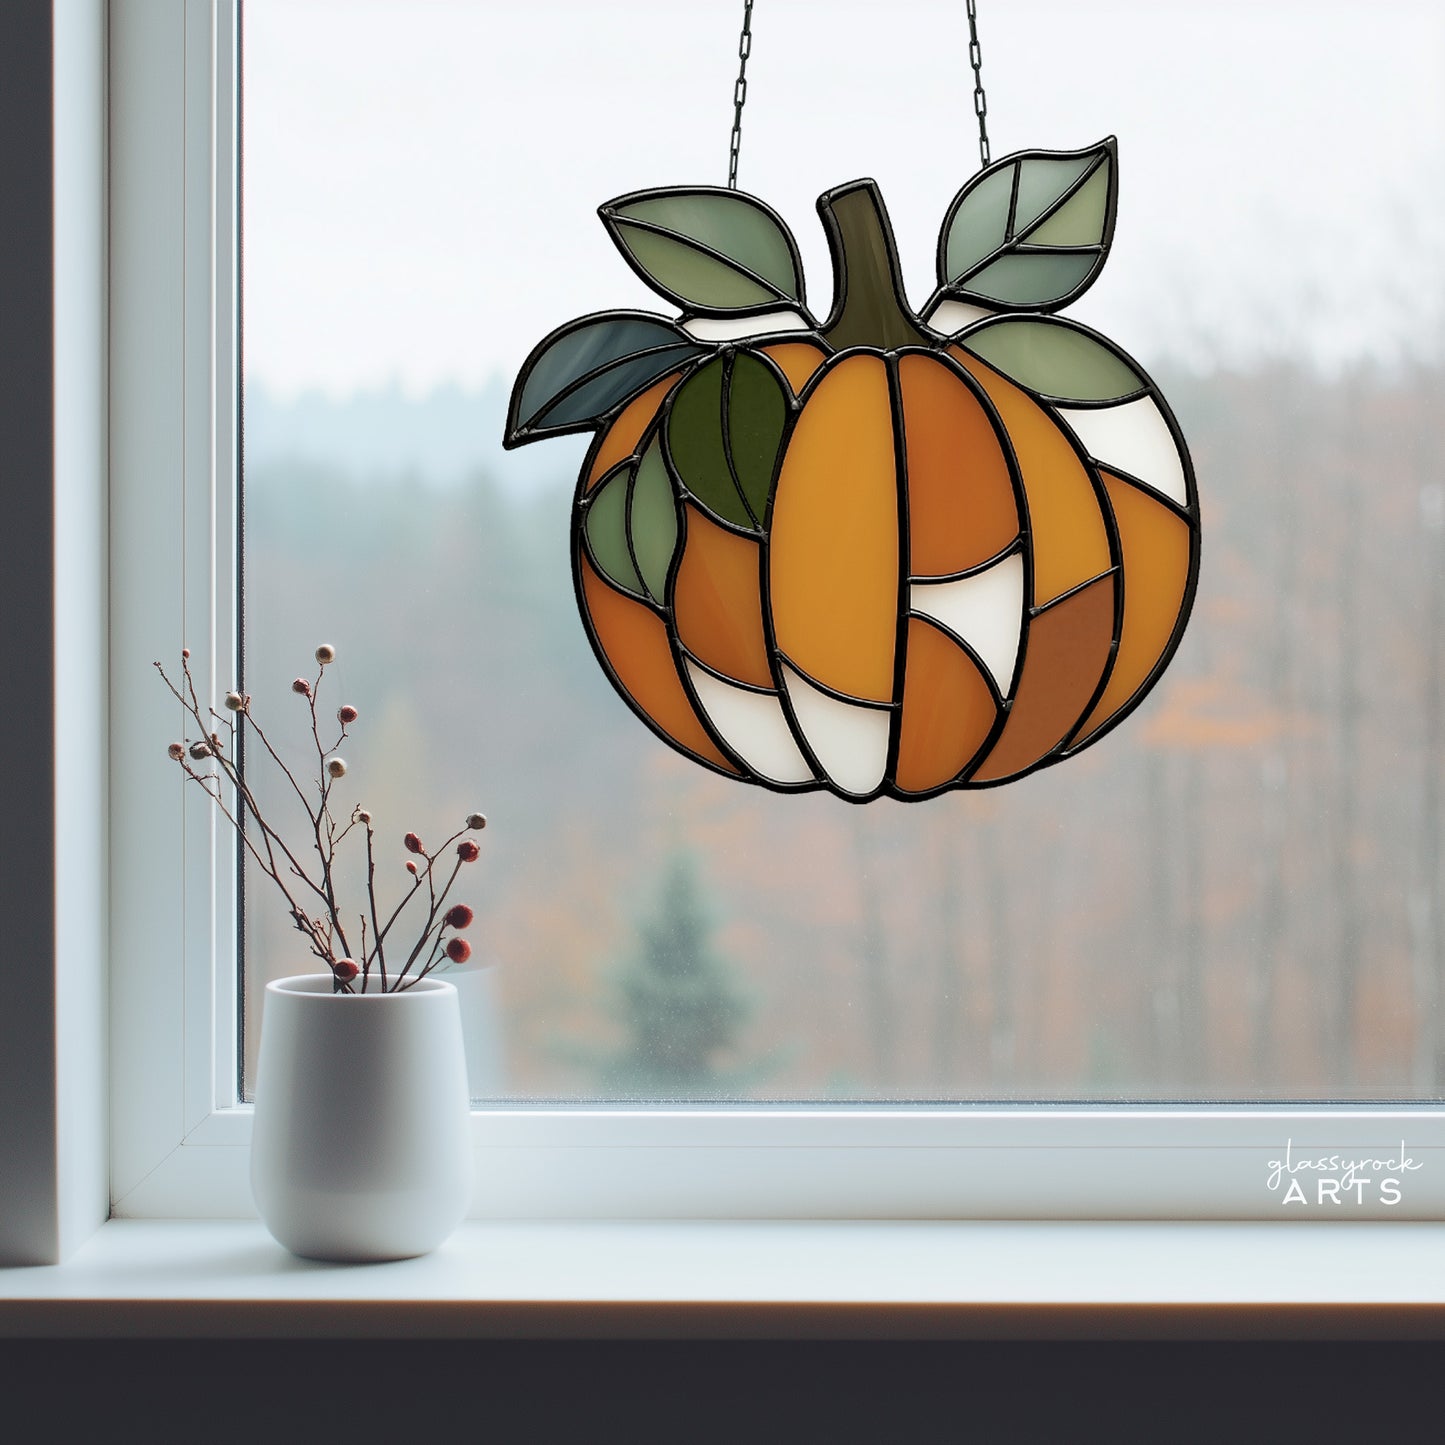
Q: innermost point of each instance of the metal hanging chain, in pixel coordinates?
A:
(980, 103)
(740, 88)
(740, 92)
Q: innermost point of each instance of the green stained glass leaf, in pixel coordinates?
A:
(1082, 220)
(757, 414)
(694, 439)
(707, 250)
(977, 225)
(632, 525)
(1054, 358)
(1045, 179)
(652, 520)
(585, 370)
(1019, 277)
(696, 276)
(1032, 230)
(624, 379)
(607, 532)
(724, 435)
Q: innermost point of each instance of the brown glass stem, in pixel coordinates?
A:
(869, 304)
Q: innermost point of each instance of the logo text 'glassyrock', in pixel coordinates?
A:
(1340, 1179)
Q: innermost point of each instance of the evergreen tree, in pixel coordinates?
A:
(679, 1004)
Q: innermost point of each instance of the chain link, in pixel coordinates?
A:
(980, 102)
(740, 88)
(740, 93)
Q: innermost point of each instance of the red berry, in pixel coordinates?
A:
(411, 867)
(347, 715)
(301, 686)
(411, 843)
(458, 950)
(468, 851)
(345, 969)
(185, 652)
(459, 916)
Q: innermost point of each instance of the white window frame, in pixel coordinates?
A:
(179, 1138)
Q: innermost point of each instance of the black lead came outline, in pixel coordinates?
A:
(953, 287)
(687, 355)
(611, 215)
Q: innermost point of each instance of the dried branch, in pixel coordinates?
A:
(272, 855)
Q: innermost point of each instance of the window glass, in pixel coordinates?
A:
(1235, 895)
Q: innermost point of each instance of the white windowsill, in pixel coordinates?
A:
(756, 1279)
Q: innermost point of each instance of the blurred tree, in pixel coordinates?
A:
(678, 1002)
(1250, 871)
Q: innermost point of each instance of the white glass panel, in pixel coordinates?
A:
(734, 328)
(950, 316)
(986, 610)
(850, 741)
(1134, 437)
(753, 725)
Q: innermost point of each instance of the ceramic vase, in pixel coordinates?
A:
(361, 1147)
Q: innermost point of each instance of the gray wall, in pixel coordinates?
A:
(53, 871)
(28, 1179)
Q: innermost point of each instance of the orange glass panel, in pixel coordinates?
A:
(1156, 545)
(947, 710)
(833, 563)
(797, 360)
(1070, 542)
(1067, 647)
(961, 505)
(718, 603)
(625, 433)
(636, 645)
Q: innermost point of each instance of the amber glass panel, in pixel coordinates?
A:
(1067, 647)
(834, 551)
(718, 601)
(1069, 540)
(947, 710)
(636, 645)
(625, 433)
(1156, 544)
(797, 360)
(961, 505)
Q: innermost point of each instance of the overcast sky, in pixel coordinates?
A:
(422, 176)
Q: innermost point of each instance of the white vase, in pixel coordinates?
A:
(361, 1147)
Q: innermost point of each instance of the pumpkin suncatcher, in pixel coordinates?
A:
(888, 554)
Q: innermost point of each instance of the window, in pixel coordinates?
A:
(1179, 867)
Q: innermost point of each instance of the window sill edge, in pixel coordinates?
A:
(759, 1279)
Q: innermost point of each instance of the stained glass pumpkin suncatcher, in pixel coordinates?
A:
(882, 555)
